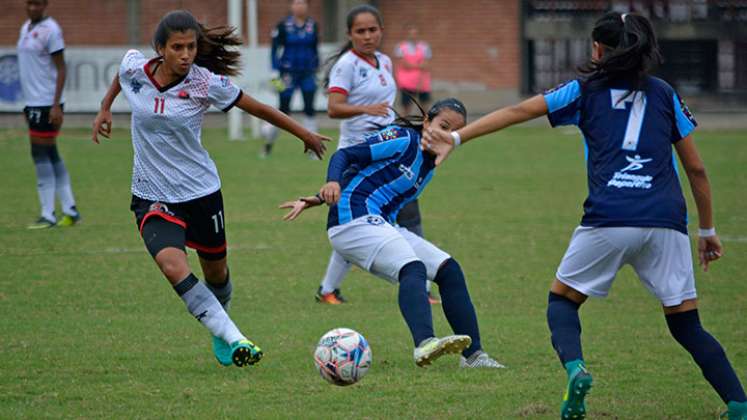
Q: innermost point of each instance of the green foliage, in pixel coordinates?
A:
(91, 329)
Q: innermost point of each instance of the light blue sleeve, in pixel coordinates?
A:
(563, 103)
(389, 148)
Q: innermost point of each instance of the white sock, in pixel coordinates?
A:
(63, 189)
(203, 305)
(310, 124)
(337, 269)
(45, 186)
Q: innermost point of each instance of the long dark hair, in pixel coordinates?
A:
(416, 121)
(352, 14)
(212, 43)
(633, 50)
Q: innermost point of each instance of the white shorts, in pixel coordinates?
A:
(382, 249)
(661, 257)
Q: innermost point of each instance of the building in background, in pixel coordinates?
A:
(488, 52)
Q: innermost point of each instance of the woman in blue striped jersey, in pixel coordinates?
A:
(391, 171)
(635, 212)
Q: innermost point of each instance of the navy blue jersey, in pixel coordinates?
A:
(379, 176)
(629, 136)
(299, 45)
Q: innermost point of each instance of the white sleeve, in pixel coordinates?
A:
(55, 42)
(398, 51)
(222, 94)
(341, 77)
(130, 62)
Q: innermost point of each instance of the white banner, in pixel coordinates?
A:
(90, 71)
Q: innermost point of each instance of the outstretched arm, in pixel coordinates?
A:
(298, 206)
(441, 143)
(102, 124)
(709, 245)
(312, 141)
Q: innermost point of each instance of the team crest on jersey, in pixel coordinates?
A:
(224, 82)
(375, 220)
(183, 94)
(392, 133)
(136, 86)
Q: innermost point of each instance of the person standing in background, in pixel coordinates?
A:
(41, 63)
(411, 70)
(295, 60)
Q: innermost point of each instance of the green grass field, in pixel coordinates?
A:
(89, 327)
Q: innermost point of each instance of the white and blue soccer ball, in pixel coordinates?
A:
(342, 356)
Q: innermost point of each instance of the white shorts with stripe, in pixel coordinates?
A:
(661, 257)
(371, 243)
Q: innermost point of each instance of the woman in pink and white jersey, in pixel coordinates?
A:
(411, 70)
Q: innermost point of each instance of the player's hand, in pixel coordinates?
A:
(438, 143)
(315, 142)
(709, 249)
(102, 124)
(56, 116)
(330, 192)
(296, 206)
(378, 110)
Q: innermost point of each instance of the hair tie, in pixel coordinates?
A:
(622, 16)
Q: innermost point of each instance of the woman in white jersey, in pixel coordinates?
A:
(41, 64)
(361, 91)
(176, 194)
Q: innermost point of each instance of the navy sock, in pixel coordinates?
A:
(457, 304)
(707, 353)
(413, 301)
(565, 327)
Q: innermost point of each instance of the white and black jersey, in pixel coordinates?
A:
(170, 164)
(36, 44)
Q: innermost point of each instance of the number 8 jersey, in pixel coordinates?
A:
(169, 163)
(629, 135)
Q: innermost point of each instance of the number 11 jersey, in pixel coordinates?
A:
(169, 163)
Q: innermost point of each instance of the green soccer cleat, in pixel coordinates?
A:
(244, 352)
(42, 223)
(579, 384)
(222, 351)
(433, 348)
(736, 411)
(68, 220)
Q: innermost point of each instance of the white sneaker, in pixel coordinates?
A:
(433, 348)
(480, 360)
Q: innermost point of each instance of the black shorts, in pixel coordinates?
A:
(406, 97)
(37, 118)
(203, 220)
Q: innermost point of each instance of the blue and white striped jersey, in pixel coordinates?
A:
(629, 136)
(379, 176)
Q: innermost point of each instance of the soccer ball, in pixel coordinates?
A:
(342, 356)
(268, 132)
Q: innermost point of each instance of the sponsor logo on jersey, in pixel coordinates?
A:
(160, 208)
(224, 82)
(183, 94)
(624, 179)
(136, 86)
(390, 133)
(686, 110)
(363, 72)
(556, 88)
(406, 171)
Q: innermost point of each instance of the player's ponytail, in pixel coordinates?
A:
(632, 50)
(355, 11)
(213, 44)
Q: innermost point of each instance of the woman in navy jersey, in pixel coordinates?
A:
(635, 212)
(176, 196)
(391, 171)
(295, 60)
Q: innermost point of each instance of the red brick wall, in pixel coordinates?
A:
(472, 40)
